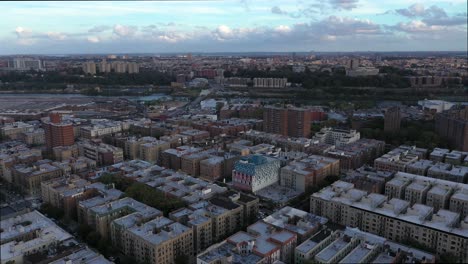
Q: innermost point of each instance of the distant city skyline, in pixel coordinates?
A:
(232, 26)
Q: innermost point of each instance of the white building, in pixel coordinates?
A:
(435, 105)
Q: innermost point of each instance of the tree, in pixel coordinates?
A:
(182, 259)
(449, 258)
(153, 197)
(93, 238)
(51, 211)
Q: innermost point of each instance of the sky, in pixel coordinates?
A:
(67, 27)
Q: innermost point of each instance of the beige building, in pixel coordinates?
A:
(308, 172)
(354, 246)
(66, 152)
(395, 161)
(416, 191)
(29, 178)
(459, 202)
(145, 148)
(101, 216)
(159, 241)
(212, 168)
(438, 197)
(394, 219)
(151, 151)
(89, 67)
(201, 227)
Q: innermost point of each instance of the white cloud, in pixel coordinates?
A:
(56, 36)
(93, 39)
(418, 26)
(124, 31)
(223, 32)
(328, 38)
(283, 29)
(23, 32)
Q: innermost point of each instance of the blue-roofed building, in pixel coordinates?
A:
(255, 172)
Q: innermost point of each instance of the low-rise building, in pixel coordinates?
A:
(27, 234)
(399, 159)
(29, 178)
(394, 219)
(308, 172)
(211, 169)
(354, 246)
(337, 137)
(159, 241)
(102, 153)
(100, 217)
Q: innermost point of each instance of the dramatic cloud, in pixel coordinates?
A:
(239, 25)
(416, 26)
(344, 4)
(124, 31)
(412, 11)
(432, 15)
(223, 32)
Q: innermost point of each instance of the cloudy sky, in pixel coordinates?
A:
(232, 25)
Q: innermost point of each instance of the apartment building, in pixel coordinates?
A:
(308, 172)
(151, 151)
(368, 179)
(337, 137)
(278, 140)
(226, 216)
(29, 178)
(354, 246)
(357, 154)
(190, 163)
(459, 202)
(448, 172)
(201, 225)
(172, 158)
(420, 167)
(290, 121)
(212, 168)
(102, 153)
(438, 154)
(269, 82)
(12, 153)
(260, 244)
(178, 184)
(14, 130)
(101, 127)
(100, 217)
(159, 241)
(58, 132)
(394, 219)
(299, 222)
(453, 126)
(65, 193)
(398, 159)
(456, 157)
(103, 196)
(66, 152)
(27, 234)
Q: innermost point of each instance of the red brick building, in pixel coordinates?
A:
(57, 132)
